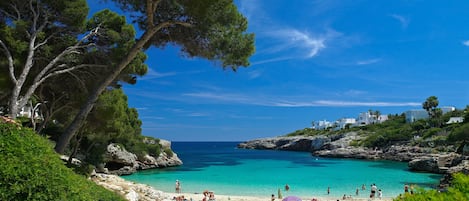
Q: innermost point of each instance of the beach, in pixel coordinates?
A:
(199, 197)
(141, 192)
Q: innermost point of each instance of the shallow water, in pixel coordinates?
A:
(224, 169)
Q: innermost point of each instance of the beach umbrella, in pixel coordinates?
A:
(291, 198)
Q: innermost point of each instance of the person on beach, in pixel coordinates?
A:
(373, 191)
(328, 190)
(211, 196)
(380, 194)
(406, 188)
(363, 187)
(411, 189)
(287, 187)
(272, 198)
(279, 194)
(356, 192)
(178, 186)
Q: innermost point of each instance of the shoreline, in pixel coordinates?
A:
(141, 192)
(199, 196)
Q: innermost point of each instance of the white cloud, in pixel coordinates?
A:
(369, 61)
(358, 103)
(278, 102)
(295, 41)
(466, 43)
(271, 60)
(254, 74)
(197, 114)
(403, 20)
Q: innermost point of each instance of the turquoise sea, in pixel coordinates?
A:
(224, 169)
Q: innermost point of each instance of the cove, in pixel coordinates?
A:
(224, 169)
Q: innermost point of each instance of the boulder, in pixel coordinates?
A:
(119, 161)
(128, 189)
(150, 162)
(425, 163)
(435, 163)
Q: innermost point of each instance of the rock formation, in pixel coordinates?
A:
(131, 191)
(339, 146)
(122, 162)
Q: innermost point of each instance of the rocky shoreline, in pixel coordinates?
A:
(422, 159)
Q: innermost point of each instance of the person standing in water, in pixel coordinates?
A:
(178, 186)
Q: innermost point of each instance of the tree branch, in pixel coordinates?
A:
(43, 42)
(68, 70)
(35, 16)
(11, 15)
(149, 13)
(11, 68)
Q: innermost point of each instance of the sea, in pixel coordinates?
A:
(224, 169)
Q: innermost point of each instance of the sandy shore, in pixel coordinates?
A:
(141, 192)
(198, 197)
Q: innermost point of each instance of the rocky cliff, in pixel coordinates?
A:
(122, 162)
(339, 146)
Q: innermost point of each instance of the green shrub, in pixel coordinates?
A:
(31, 170)
(168, 152)
(154, 149)
(459, 191)
(431, 132)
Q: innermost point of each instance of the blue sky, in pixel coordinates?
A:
(314, 60)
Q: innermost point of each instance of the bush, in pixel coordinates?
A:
(431, 132)
(459, 191)
(168, 152)
(31, 170)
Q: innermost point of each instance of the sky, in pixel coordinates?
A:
(314, 60)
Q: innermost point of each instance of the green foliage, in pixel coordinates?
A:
(308, 132)
(458, 191)
(431, 132)
(31, 170)
(430, 105)
(112, 121)
(211, 29)
(460, 134)
(168, 152)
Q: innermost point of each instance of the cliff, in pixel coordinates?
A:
(122, 162)
(340, 146)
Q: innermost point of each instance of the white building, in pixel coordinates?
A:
(382, 118)
(414, 115)
(342, 123)
(322, 125)
(453, 120)
(366, 118)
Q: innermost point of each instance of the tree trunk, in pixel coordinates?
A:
(13, 105)
(79, 119)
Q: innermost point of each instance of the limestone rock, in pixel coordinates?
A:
(131, 191)
(119, 161)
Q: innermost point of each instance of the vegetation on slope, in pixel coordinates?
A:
(432, 132)
(31, 170)
(459, 191)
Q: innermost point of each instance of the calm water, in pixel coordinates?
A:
(224, 169)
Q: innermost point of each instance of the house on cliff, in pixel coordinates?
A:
(415, 115)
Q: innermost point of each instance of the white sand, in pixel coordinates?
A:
(141, 192)
(198, 197)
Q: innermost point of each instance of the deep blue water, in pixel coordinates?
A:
(221, 167)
